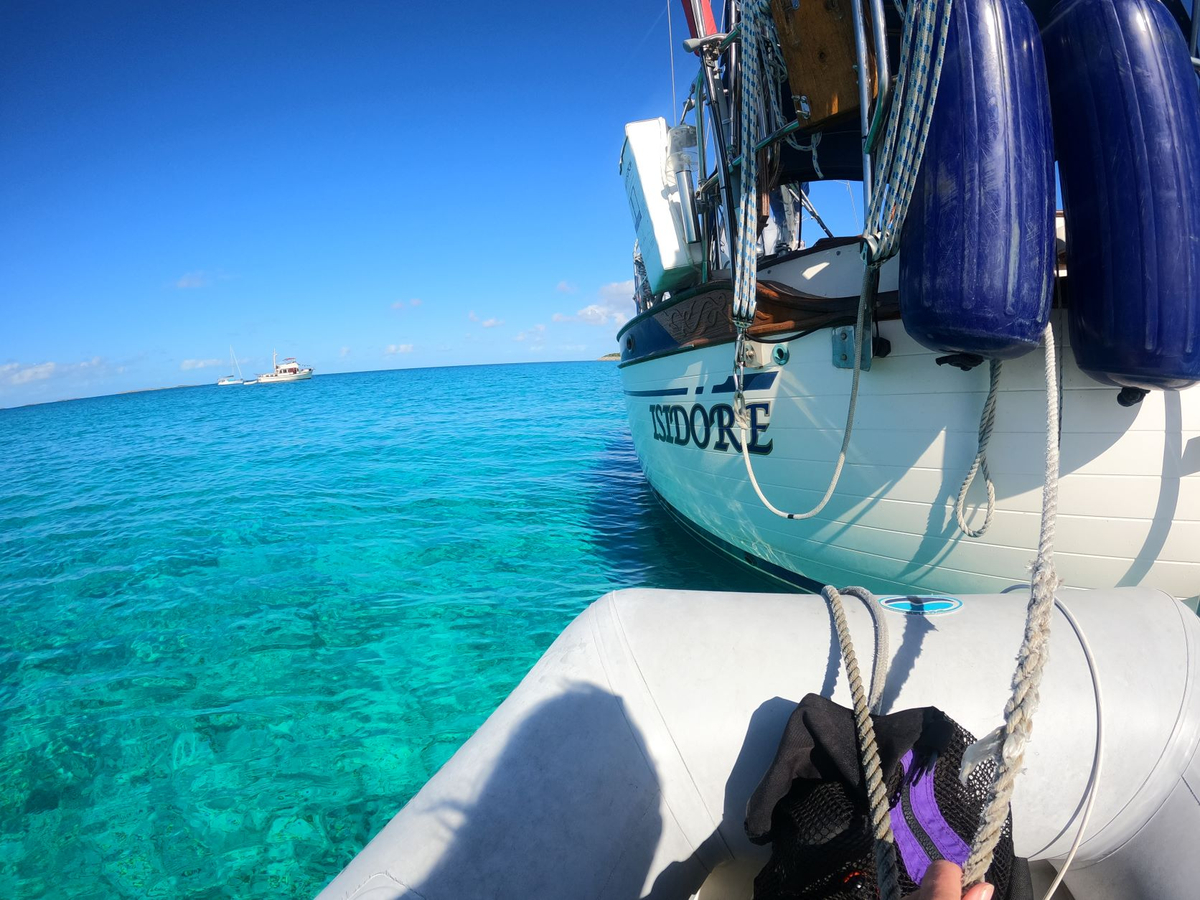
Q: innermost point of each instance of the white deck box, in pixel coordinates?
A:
(671, 262)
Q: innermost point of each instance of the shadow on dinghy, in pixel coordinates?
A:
(621, 765)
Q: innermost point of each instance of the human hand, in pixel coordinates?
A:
(943, 881)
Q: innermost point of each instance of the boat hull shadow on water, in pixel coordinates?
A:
(621, 766)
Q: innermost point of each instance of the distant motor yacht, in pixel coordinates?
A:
(288, 370)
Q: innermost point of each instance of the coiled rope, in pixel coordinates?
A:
(895, 174)
(986, 422)
(898, 159)
(755, 15)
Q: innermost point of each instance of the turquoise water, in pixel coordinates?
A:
(240, 627)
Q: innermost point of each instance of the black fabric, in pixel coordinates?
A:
(820, 744)
(812, 804)
(1020, 886)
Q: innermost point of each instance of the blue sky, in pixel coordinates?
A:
(363, 185)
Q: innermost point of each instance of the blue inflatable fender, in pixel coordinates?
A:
(1127, 125)
(977, 251)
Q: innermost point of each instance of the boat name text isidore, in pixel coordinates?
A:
(683, 425)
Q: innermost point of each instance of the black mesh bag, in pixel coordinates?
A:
(812, 806)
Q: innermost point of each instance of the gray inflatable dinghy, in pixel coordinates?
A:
(621, 765)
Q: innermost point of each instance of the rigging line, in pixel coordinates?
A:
(853, 204)
(671, 43)
(632, 56)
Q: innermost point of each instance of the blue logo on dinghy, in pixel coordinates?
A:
(921, 606)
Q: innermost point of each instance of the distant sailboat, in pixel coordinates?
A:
(230, 379)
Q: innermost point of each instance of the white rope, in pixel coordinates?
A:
(986, 422)
(880, 665)
(741, 415)
(1031, 659)
(1097, 755)
(881, 818)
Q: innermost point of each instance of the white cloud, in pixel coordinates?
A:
(188, 364)
(492, 323)
(17, 374)
(193, 280)
(613, 307)
(415, 301)
(399, 304)
(617, 291)
(472, 316)
(594, 314)
(26, 374)
(535, 334)
(565, 287)
(398, 348)
(345, 352)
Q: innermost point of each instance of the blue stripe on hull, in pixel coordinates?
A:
(756, 381)
(663, 392)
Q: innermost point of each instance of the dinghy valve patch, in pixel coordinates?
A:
(921, 606)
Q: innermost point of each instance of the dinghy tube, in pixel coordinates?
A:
(621, 765)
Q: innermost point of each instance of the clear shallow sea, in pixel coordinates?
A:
(240, 627)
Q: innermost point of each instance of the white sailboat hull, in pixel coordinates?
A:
(1130, 489)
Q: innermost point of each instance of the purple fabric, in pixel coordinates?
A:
(929, 817)
(912, 854)
(922, 804)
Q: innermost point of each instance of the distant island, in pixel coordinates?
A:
(609, 357)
